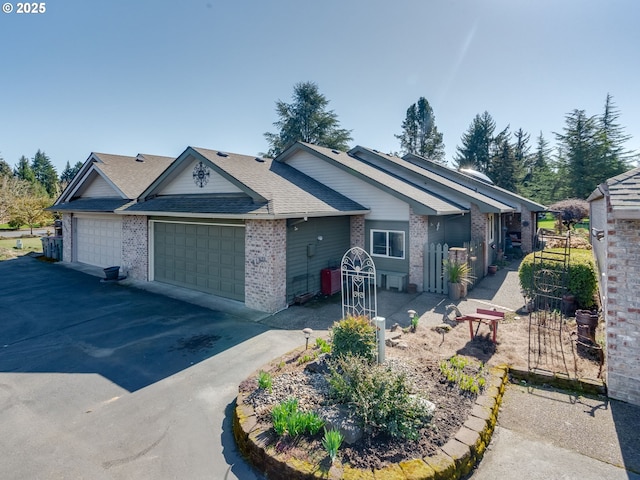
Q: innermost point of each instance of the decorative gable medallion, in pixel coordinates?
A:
(200, 174)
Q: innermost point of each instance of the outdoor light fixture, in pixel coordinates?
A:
(307, 333)
(320, 238)
(597, 233)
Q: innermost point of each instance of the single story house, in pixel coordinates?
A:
(260, 230)
(615, 229)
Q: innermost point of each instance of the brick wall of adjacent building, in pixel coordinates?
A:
(418, 235)
(622, 308)
(357, 231)
(526, 225)
(135, 245)
(266, 265)
(67, 237)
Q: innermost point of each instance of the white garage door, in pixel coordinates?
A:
(99, 241)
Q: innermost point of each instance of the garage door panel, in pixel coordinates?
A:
(203, 257)
(98, 241)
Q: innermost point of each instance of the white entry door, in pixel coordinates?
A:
(98, 241)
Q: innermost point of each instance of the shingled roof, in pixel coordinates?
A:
(132, 175)
(273, 190)
(421, 200)
(128, 176)
(624, 193)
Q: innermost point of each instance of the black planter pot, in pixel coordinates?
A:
(587, 323)
(111, 273)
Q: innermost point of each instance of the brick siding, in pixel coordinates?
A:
(357, 231)
(266, 265)
(526, 235)
(622, 309)
(67, 237)
(135, 247)
(418, 236)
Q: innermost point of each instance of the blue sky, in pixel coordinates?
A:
(142, 76)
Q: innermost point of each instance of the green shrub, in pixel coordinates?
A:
(354, 336)
(582, 280)
(379, 396)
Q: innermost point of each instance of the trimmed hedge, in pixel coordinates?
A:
(582, 282)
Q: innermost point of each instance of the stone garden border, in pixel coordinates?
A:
(453, 460)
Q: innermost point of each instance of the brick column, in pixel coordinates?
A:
(67, 237)
(357, 231)
(265, 265)
(479, 230)
(418, 235)
(135, 247)
(526, 230)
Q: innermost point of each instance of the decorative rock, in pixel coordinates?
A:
(339, 418)
(429, 406)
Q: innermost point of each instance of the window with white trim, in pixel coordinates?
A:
(387, 243)
(492, 226)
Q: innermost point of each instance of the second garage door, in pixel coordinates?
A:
(98, 241)
(204, 257)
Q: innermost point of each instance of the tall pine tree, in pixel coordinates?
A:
(475, 151)
(45, 173)
(306, 119)
(23, 170)
(420, 134)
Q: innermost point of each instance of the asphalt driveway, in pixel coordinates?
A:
(98, 380)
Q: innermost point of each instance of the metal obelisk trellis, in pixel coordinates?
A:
(358, 284)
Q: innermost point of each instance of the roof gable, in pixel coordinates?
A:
(126, 176)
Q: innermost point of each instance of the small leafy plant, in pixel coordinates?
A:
(323, 345)
(331, 443)
(453, 370)
(265, 381)
(286, 418)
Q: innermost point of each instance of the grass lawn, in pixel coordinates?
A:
(8, 247)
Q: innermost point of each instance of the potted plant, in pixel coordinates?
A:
(458, 276)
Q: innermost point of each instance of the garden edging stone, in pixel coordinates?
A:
(453, 460)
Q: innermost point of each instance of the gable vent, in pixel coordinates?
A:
(222, 154)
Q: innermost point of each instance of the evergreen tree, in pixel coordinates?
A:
(68, 173)
(522, 158)
(539, 181)
(45, 173)
(611, 138)
(579, 142)
(420, 134)
(306, 119)
(23, 170)
(5, 169)
(502, 168)
(475, 151)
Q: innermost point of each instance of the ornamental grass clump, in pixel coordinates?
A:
(265, 381)
(287, 419)
(331, 443)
